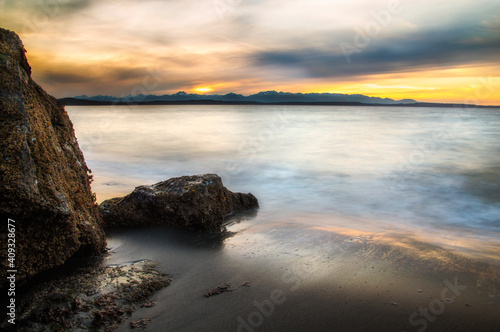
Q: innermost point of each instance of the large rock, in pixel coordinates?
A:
(44, 181)
(197, 202)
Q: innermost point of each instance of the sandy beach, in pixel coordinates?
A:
(290, 277)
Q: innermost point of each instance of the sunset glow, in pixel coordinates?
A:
(202, 90)
(434, 51)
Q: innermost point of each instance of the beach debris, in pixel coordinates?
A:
(419, 290)
(246, 284)
(149, 304)
(140, 323)
(467, 305)
(394, 304)
(218, 290)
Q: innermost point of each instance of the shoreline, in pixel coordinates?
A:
(84, 102)
(285, 278)
(328, 282)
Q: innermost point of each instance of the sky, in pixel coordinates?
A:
(434, 51)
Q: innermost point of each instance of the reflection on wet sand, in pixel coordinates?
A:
(427, 245)
(421, 241)
(330, 278)
(160, 236)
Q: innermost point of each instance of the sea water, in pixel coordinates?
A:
(430, 174)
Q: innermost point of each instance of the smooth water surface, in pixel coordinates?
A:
(426, 174)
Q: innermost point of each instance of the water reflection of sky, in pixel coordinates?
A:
(427, 174)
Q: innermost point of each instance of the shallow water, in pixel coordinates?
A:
(424, 174)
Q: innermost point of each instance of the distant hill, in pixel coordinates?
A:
(261, 97)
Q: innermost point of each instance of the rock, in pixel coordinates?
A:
(90, 299)
(197, 202)
(44, 181)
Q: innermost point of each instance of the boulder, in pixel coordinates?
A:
(44, 181)
(197, 202)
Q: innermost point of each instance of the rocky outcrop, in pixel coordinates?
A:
(44, 181)
(94, 298)
(197, 202)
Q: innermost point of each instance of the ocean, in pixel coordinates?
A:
(432, 174)
(360, 207)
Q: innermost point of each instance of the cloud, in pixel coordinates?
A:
(53, 77)
(90, 75)
(47, 9)
(400, 53)
(34, 16)
(68, 73)
(65, 6)
(376, 86)
(106, 47)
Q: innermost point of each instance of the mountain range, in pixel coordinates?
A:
(261, 97)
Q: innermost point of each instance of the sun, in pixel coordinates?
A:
(203, 89)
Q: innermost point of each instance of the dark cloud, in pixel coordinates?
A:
(127, 74)
(90, 75)
(64, 77)
(398, 54)
(29, 16)
(70, 81)
(50, 7)
(74, 5)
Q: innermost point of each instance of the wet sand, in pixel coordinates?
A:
(296, 277)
